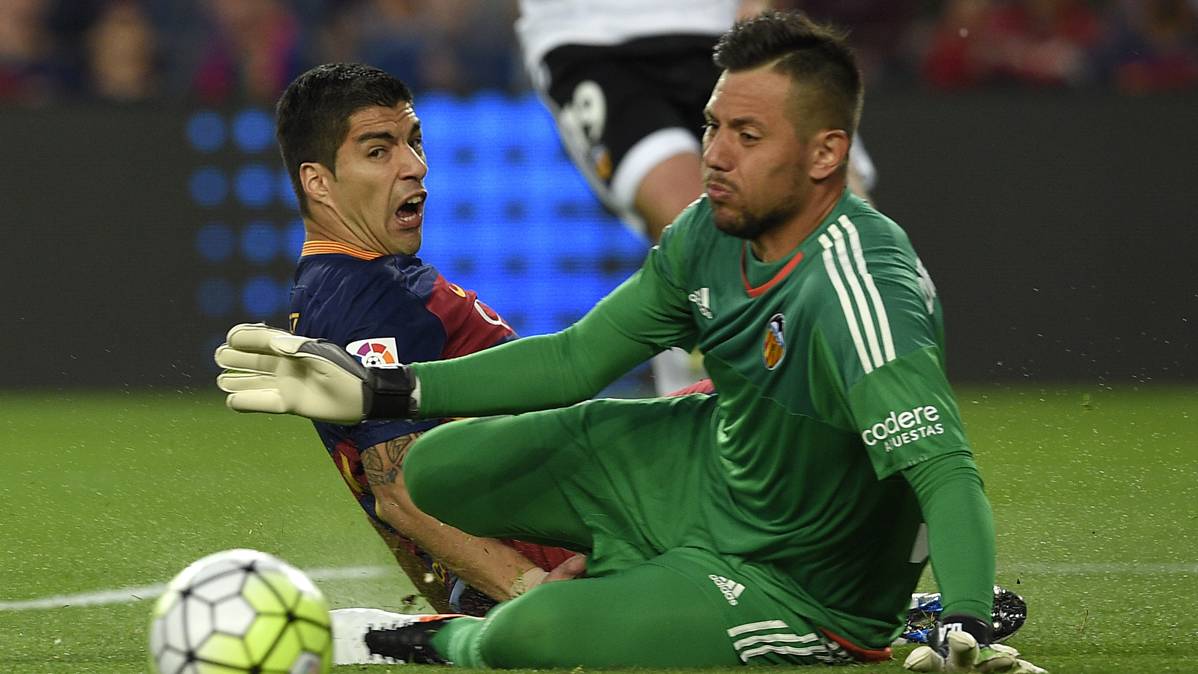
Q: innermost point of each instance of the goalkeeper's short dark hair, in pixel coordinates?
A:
(828, 90)
(312, 116)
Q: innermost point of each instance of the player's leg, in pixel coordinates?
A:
(685, 608)
(647, 616)
(629, 117)
(582, 477)
(668, 187)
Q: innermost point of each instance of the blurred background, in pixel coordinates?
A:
(1039, 152)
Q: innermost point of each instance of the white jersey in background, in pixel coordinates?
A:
(626, 81)
(545, 24)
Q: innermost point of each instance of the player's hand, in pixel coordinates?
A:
(957, 650)
(270, 370)
(568, 570)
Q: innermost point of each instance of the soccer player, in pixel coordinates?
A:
(351, 143)
(784, 521)
(626, 82)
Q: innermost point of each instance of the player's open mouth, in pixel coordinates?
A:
(409, 212)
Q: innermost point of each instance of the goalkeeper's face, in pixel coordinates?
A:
(377, 192)
(755, 168)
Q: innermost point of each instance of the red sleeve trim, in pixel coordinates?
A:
(701, 386)
(862, 654)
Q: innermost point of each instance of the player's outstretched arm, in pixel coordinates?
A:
(270, 370)
(961, 540)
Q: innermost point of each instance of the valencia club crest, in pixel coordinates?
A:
(773, 349)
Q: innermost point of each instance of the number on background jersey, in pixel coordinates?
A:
(586, 112)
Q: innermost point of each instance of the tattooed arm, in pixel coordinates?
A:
(428, 586)
(485, 563)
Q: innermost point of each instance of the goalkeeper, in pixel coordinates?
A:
(785, 521)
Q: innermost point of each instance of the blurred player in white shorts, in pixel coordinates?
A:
(627, 81)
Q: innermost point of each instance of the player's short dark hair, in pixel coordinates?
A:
(312, 116)
(814, 55)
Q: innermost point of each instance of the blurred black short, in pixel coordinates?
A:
(606, 99)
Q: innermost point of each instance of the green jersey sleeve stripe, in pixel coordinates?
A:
(850, 275)
(845, 306)
(871, 287)
(873, 339)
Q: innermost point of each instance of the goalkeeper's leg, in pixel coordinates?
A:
(495, 475)
(668, 612)
(603, 477)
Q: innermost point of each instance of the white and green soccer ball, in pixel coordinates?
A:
(241, 611)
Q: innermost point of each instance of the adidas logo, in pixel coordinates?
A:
(702, 299)
(729, 588)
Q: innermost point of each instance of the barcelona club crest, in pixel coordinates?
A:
(379, 352)
(774, 347)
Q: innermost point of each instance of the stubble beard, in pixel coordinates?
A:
(750, 226)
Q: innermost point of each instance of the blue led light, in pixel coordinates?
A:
(259, 242)
(208, 186)
(255, 185)
(286, 191)
(206, 131)
(262, 297)
(214, 242)
(505, 209)
(214, 297)
(293, 239)
(253, 130)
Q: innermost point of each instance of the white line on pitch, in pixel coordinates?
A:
(127, 595)
(1086, 568)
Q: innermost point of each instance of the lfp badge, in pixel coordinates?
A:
(774, 347)
(378, 352)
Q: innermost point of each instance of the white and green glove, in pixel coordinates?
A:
(953, 647)
(273, 371)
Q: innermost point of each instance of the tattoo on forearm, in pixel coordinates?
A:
(384, 467)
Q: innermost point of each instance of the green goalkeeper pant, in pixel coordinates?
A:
(626, 482)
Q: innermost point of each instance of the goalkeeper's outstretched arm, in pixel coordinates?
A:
(962, 547)
(269, 370)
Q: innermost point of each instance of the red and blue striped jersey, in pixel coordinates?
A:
(385, 309)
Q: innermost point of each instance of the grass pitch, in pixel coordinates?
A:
(105, 495)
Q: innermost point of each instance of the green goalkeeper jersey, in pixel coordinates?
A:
(830, 377)
(829, 368)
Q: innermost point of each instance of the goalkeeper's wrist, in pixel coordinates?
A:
(962, 622)
(390, 394)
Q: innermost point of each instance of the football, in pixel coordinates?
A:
(241, 611)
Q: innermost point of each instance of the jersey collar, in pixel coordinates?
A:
(782, 273)
(798, 257)
(337, 248)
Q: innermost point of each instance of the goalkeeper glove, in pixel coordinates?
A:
(960, 643)
(270, 370)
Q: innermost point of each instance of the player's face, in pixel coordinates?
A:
(378, 190)
(754, 163)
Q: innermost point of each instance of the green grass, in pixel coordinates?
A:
(1094, 493)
